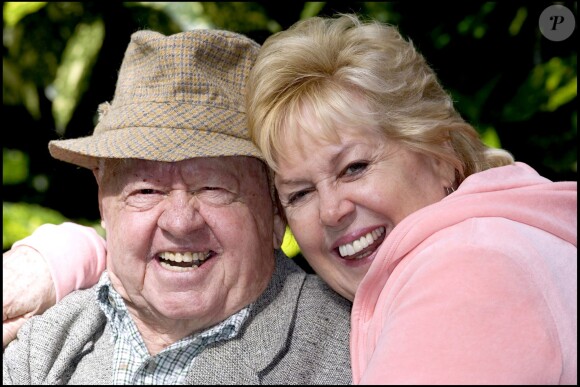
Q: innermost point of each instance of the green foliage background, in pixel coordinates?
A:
(60, 60)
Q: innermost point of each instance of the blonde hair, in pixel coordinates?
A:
(328, 64)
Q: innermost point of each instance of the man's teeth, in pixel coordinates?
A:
(182, 261)
(360, 244)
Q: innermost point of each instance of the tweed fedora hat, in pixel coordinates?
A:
(177, 97)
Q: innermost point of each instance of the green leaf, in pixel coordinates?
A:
(21, 219)
(14, 166)
(72, 75)
(14, 11)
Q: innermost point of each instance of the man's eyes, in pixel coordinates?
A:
(151, 191)
(150, 197)
(147, 191)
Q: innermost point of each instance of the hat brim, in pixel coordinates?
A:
(161, 144)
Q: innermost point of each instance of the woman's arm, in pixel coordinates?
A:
(44, 267)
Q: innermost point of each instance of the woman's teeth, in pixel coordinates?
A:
(360, 244)
(182, 261)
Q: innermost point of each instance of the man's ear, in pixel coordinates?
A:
(279, 225)
(98, 175)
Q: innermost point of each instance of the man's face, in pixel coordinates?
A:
(191, 242)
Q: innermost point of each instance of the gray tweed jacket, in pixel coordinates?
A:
(297, 334)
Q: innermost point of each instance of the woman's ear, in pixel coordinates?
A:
(447, 173)
(445, 170)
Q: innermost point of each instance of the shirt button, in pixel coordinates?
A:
(151, 366)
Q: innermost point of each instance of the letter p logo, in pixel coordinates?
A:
(557, 23)
(557, 19)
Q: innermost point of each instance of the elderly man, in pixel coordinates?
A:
(193, 292)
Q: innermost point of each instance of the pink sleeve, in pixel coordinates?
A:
(76, 255)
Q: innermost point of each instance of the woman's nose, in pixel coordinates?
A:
(335, 207)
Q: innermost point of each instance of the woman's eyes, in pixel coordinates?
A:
(296, 196)
(354, 168)
(351, 170)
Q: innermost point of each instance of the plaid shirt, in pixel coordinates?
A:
(132, 363)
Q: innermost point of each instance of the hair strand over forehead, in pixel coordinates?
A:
(346, 72)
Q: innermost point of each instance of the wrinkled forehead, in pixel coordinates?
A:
(239, 168)
(312, 121)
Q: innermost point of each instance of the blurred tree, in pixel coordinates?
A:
(60, 61)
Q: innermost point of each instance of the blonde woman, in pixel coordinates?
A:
(460, 262)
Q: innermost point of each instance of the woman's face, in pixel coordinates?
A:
(342, 199)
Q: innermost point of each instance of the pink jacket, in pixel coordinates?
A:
(480, 288)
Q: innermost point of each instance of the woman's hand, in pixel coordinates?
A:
(27, 289)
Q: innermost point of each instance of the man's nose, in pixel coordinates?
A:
(181, 215)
